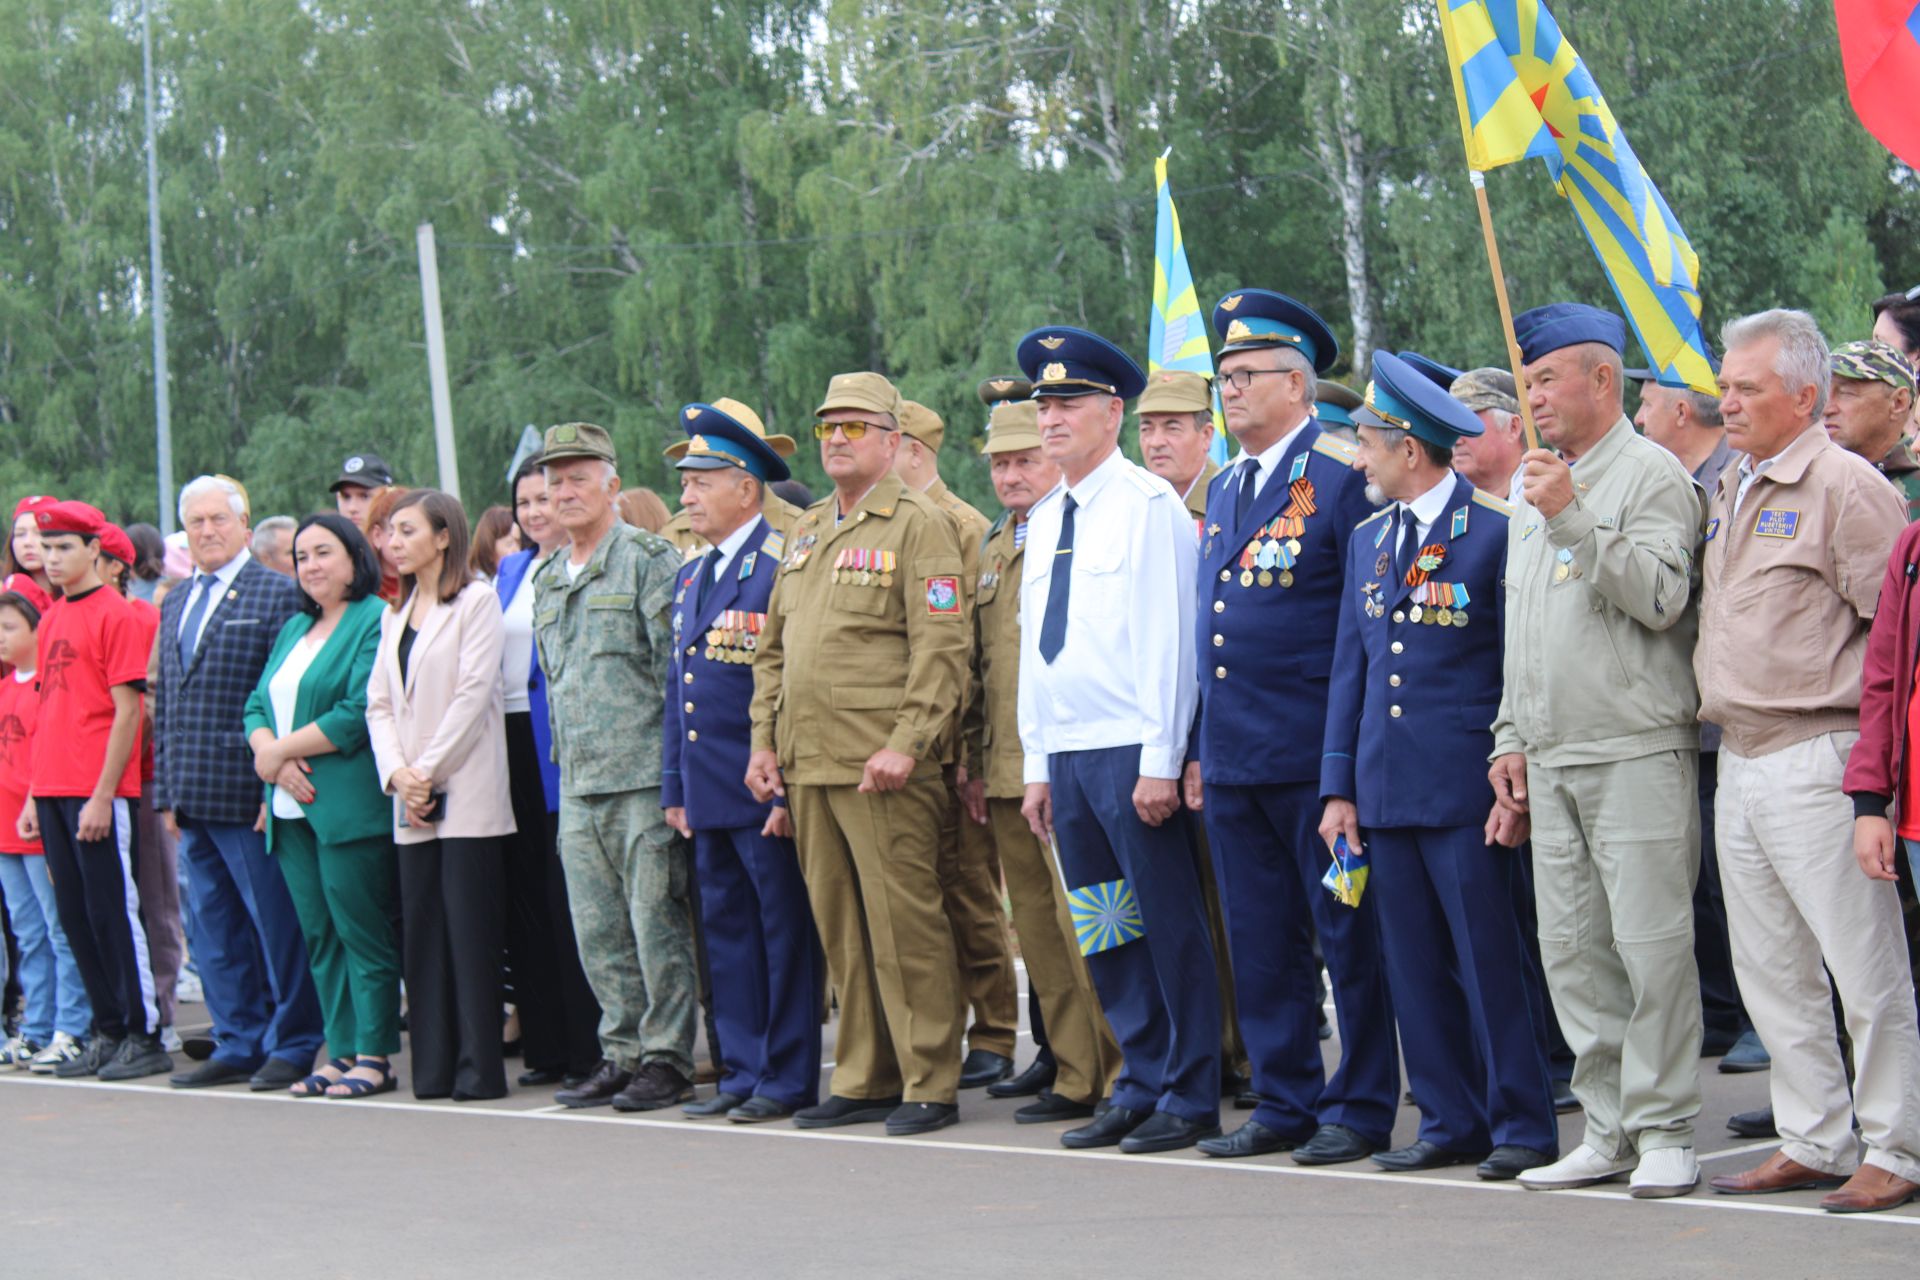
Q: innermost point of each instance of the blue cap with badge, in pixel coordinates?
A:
(1061, 360)
(1256, 319)
(729, 434)
(1334, 403)
(1442, 374)
(1545, 330)
(1403, 398)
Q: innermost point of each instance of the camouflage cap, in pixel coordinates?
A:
(577, 440)
(922, 424)
(867, 391)
(1014, 425)
(1176, 391)
(1872, 361)
(1486, 388)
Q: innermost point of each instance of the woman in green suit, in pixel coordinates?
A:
(329, 823)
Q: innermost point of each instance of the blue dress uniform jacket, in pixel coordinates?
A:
(1264, 652)
(707, 727)
(1410, 712)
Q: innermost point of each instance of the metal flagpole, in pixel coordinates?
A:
(437, 362)
(157, 294)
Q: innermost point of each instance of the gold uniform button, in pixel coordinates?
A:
(687, 678)
(1226, 575)
(1219, 640)
(1392, 680)
(1219, 606)
(1397, 648)
(693, 735)
(1394, 711)
(1396, 680)
(1399, 615)
(1219, 673)
(690, 647)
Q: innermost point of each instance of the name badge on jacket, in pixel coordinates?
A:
(1776, 522)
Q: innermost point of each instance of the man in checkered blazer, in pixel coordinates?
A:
(215, 634)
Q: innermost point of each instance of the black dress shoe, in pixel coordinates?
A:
(598, 1089)
(1509, 1162)
(1422, 1154)
(910, 1118)
(1052, 1107)
(1333, 1144)
(198, 1048)
(984, 1067)
(541, 1077)
(1246, 1100)
(1107, 1129)
(1232, 1083)
(707, 1108)
(1753, 1124)
(1563, 1099)
(276, 1073)
(655, 1085)
(211, 1073)
(1036, 1079)
(1250, 1139)
(837, 1111)
(1167, 1132)
(759, 1110)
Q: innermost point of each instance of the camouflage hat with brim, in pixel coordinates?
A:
(1486, 388)
(577, 440)
(1873, 361)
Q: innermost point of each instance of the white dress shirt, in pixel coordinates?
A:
(1267, 459)
(516, 648)
(222, 582)
(1749, 472)
(283, 692)
(1125, 676)
(731, 544)
(1426, 509)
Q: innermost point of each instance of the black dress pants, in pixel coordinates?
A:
(452, 899)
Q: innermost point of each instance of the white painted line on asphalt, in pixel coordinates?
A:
(1738, 1151)
(1700, 1200)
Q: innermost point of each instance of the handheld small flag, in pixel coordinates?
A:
(1177, 334)
(1105, 916)
(1523, 91)
(1346, 878)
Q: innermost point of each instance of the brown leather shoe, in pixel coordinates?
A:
(1869, 1191)
(1777, 1174)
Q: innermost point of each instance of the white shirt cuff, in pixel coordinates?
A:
(1162, 762)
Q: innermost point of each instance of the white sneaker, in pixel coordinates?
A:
(17, 1052)
(1665, 1171)
(1583, 1168)
(170, 1039)
(63, 1049)
(187, 989)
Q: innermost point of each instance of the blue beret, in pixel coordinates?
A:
(1443, 375)
(730, 437)
(1547, 329)
(1063, 361)
(1255, 319)
(1407, 399)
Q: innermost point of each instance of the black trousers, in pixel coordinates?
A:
(1712, 951)
(452, 899)
(559, 1018)
(100, 912)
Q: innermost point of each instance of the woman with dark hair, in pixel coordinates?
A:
(440, 744)
(149, 562)
(328, 823)
(495, 537)
(23, 543)
(559, 1018)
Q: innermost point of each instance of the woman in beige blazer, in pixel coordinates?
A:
(434, 714)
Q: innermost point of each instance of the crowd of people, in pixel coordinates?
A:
(1568, 763)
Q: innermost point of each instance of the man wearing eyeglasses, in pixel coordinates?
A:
(858, 675)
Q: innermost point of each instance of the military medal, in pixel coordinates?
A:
(1383, 565)
(1445, 616)
(1414, 613)
(1460, 618)
(1563, 570)
(888, 560)
(1431, 557)
(1246, 577)
(1286, 577)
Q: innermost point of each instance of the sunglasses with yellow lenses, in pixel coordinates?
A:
(853, 430)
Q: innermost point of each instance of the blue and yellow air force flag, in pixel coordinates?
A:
(1105, 916)
(1177, 333)
(1523, 91)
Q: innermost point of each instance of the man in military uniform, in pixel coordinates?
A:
(1597, 742)
(1868, 410)
(1416, 678)
(1333, 406)
(1491, 460)
(969, 877)
(774, 509)
(1084, 1060)
(858, 681)
(754, 913)
(1272, 576)
(601, 617)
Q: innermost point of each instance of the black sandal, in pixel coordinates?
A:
(315, 1085)
(368, 1088)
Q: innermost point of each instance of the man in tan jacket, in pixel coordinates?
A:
(1596, 743)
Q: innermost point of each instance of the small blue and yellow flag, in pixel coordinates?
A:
(1105, 916)
(1177, 333)
(1523, 91)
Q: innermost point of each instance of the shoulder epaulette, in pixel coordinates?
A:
(1145, 482)
(1384, 511)
(1335, 447)
(774, 543)
(993, 530)
(1491, 503)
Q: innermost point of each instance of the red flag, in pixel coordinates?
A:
(1880, 45)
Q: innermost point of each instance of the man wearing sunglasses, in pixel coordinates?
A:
(858, 674)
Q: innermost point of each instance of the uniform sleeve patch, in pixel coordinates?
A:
(943, 595)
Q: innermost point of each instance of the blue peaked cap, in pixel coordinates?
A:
(1405, 398)
(1061, 360)
(1256, 319)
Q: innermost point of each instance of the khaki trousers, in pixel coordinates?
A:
(1086, 1054)
(1797, 901)
(970, 897)
(1616, 851)
(871, 865)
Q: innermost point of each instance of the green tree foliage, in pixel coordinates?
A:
(644, 203)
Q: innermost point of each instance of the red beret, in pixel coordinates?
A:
(33, 503)
(27, 589)
(115, 542)
(71, 517)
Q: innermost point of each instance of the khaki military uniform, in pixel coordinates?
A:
(1196, 498)
(864, 648)
(1087, 1056)
(969, 870)
(605, 639)
(777, 511)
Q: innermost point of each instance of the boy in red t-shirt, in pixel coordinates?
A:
(86, 767)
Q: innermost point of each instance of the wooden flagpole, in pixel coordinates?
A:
(1479, 181)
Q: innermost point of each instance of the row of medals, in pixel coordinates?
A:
(1266, 577)
(1441, 616)
(724, 646)
(864, 566)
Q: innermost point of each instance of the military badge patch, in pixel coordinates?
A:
(1777, 522)
(943, 595)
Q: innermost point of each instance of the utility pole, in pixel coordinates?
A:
(157, 293)
(437, 362)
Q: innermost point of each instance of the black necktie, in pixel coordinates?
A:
(708, 564)
(1403, 546)
(1053, 626)
(1249, 476)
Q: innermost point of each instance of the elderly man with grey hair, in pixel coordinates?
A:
(273, 543)
(216, 631)
(1491, 460)
(1797, 539)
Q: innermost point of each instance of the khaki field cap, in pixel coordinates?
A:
(1175, 391)
(1487, 388)
(922, 423)
(1015, 425)
(577, 440)
(866, 391)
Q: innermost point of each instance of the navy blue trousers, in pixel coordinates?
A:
(1269, 857)
(1158, 991)
(253, 957)
(1463, 989)
(765, 960)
